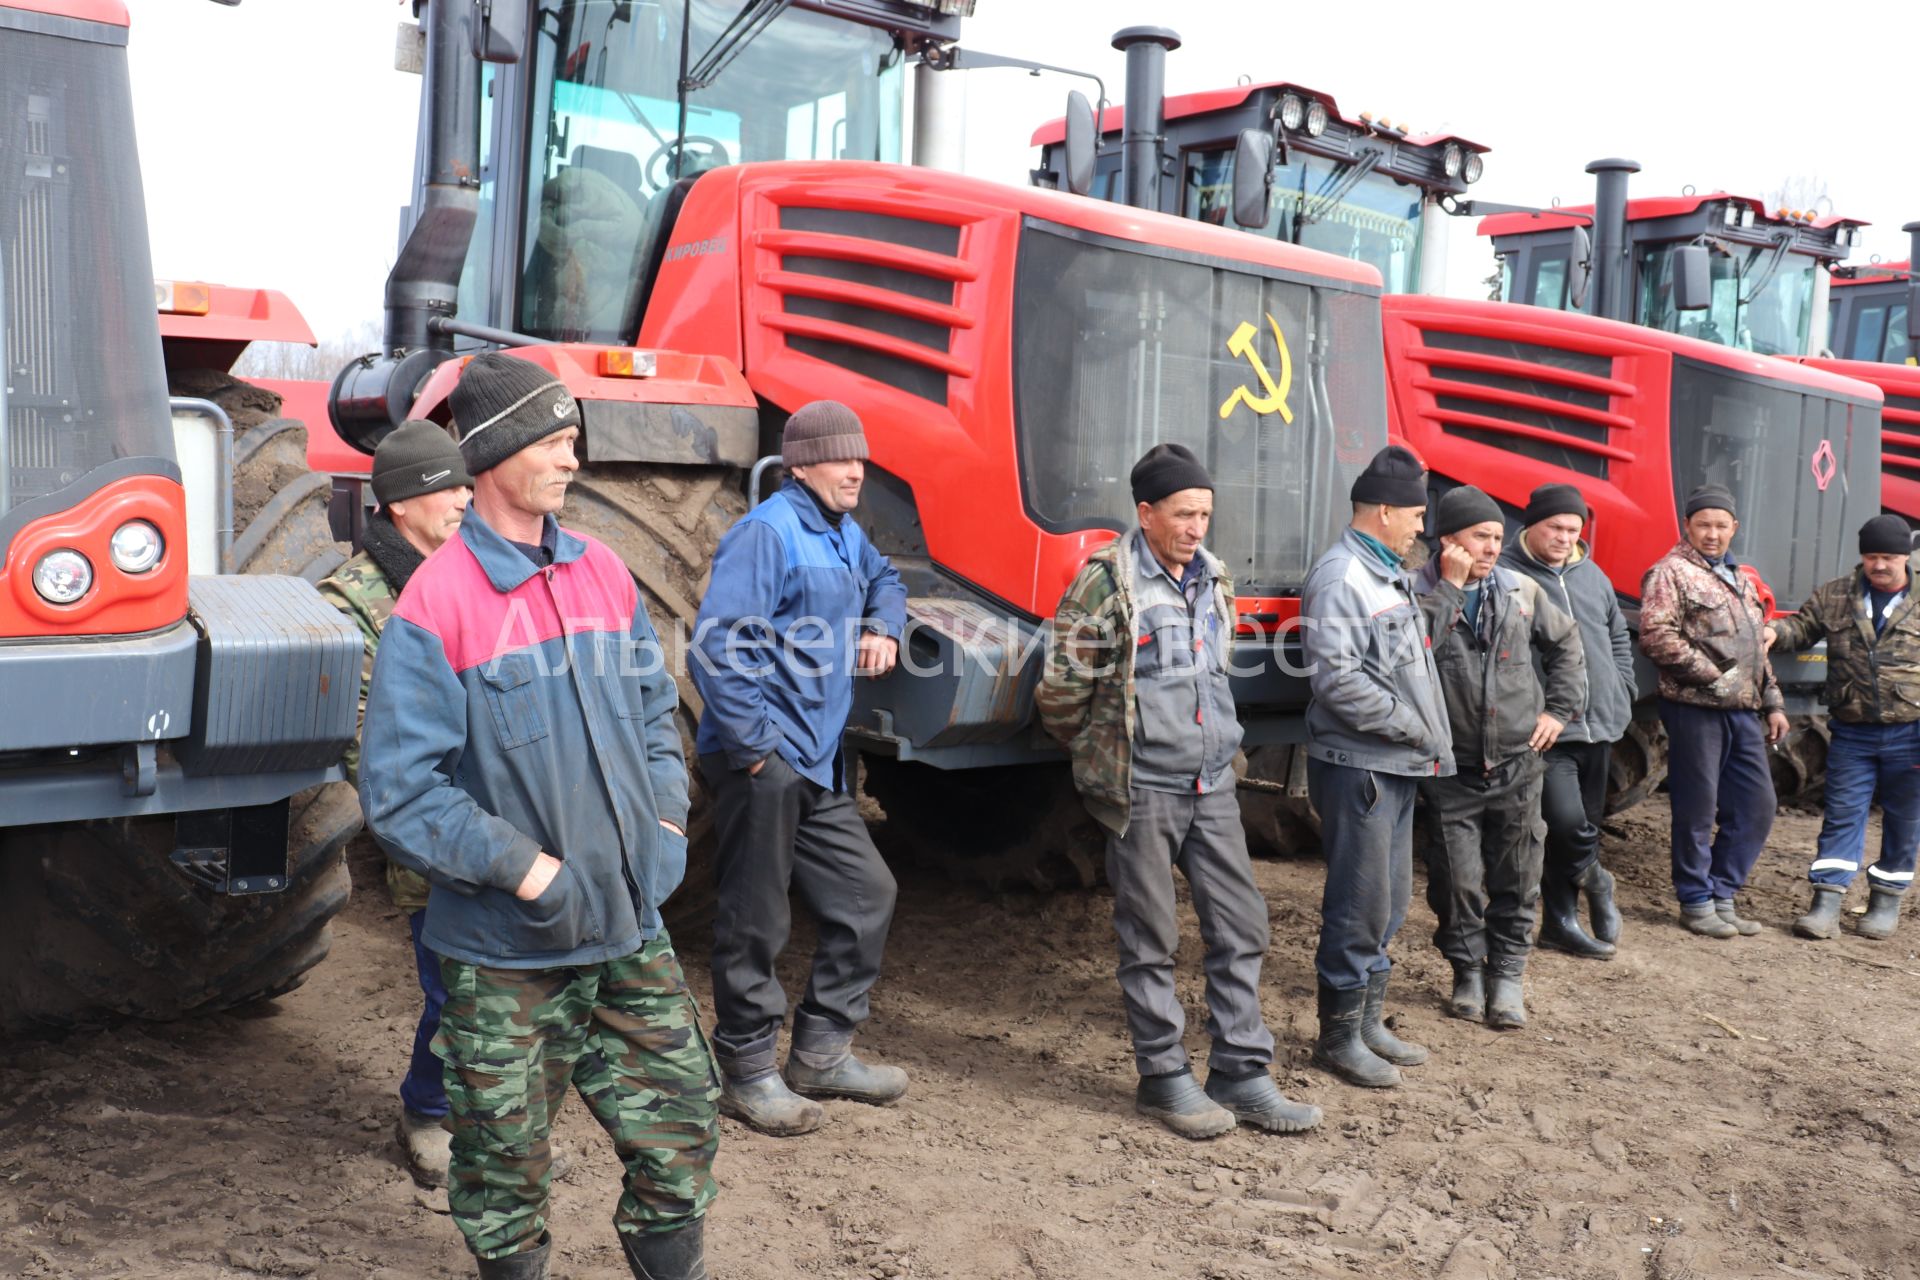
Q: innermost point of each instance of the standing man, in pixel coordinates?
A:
(1872, 632)
(521, 753)
(1488, 623)
(1376, 726)
(1573, 796)
(1701, 624)
(1136, 689)
(422, 487)
(799, 603)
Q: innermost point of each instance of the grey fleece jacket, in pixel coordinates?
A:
(1581, 588)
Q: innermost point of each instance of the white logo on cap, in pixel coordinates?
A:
(438, 475)
(560, 405)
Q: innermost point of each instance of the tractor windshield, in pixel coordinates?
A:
(1803, 469)
(608, 143)
(83, 382)
(1374, 220)
(1762, 301)
(1274, 380)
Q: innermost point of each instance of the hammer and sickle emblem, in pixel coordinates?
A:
(1275, 399)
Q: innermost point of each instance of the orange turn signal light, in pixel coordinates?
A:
(182, 298)
(625, 362)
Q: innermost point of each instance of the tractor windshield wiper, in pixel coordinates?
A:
(1343, 180)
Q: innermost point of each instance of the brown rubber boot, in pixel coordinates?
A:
(426, 1146)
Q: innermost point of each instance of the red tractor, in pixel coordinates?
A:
(1508, 396)
(169, 840)
(700, 230)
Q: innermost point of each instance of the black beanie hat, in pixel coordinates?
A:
(1710, 497)
(1463, 508)
(1886, 535)
(1395, 478)
(417, 457)
(1551, 500)
(1165, 469)
(823, 431)
(502, 404)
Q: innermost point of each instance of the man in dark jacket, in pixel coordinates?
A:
(1701, 625)
(1573, 795)
(422, 487)
(800, 603)
(1872, 632)
(1377, 724)
(1488, 624)
(520, 752)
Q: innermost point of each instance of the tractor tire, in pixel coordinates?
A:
(1279, 824)
(1637, 766)
(96, 925)
(1005, 826)
(665, 522)
(1799, 762)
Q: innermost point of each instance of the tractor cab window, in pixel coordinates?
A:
(1762, 301)
(608, 144)
(1375, 220)
(1879, 333)
(83, 383)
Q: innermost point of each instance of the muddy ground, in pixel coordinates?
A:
(1693, 1109)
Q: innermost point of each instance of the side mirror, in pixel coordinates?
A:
(498, 26)
(1082, 129)
(1579, 269)
(1252, 177)
(1692, 278)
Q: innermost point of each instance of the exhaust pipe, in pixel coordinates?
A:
(1610, 237)
(1146, 49)
(1913, 290)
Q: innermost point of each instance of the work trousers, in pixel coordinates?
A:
(1868, 763)
(626, 1034)
(1483, 863)
(1366, 831)
(1717, 772)
(779, 832)
(423, 1090)
(1201, 834)
(1573, 800)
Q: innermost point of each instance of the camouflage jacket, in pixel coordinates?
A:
(1086, 697)
(1870, 679)
(1704, 635)
(366, 592)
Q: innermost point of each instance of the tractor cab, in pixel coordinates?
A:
(1717, 267)
(1360, 187)
(1867, 317)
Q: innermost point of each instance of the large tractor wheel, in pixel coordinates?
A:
(97, 926)
(1637, 766)
(666, 522)
(1799, 762)
(1004, 826)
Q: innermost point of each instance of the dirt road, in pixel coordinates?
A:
(1693, 1109)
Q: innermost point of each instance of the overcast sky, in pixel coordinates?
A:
(277, 139)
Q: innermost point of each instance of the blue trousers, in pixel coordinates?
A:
(1717, 772)
(423, 1091)
(1366, 829)
(1869, 762)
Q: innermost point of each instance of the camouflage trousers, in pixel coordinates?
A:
(626, 1034)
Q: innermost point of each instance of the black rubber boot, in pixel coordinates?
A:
(528, 1264)
(680, 1254)
(1506, 1003)
(1373, 1027)
(1177, 1101)
(1341, 1048)
(822, 1065)
(1257, 1100)
(1883, 915)
(1724, 908)
(1601, 911)
(1701, 918)
(765, 1103)
(1560, 920)
(1469, 998)
(1822, 920)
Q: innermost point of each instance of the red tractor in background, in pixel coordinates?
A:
(701, 230)
(1508, 396)
(169, 838)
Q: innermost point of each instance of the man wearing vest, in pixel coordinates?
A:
(1872, 632)
(422, 487)
(800, 602)
(1376, 726)
(1136, 689)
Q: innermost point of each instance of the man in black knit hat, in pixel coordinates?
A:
(1376, 726)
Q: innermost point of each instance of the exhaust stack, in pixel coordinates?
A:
(1146, 49)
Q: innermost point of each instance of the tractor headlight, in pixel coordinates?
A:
(136, 546)
(1453, 159)
(1316, 118)
(62, 576)
(1472, 166)
(1293, 112)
